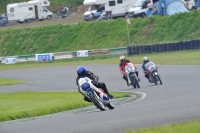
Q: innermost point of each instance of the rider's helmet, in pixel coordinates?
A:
(122, 59)
(145, 60)
(81, 71)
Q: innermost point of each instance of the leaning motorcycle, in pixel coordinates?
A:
(131, 75)
(98, 97)
(153, 74)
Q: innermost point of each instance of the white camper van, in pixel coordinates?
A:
(27, 11)
(140, 8)
(117, 8)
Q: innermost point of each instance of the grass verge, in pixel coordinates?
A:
(6, 81)
(30, 104)
(57, 35)
(184, 127)
(189, 57)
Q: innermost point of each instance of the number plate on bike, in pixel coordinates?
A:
(151, 68)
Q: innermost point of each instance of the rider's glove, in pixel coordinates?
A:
(96, 78)
(145, 71)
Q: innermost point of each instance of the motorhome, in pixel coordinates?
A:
(116, 8)
(27, 11)
(139, 9)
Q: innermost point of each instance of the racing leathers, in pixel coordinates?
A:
(122, 70)
(96, 83)
(145, 70)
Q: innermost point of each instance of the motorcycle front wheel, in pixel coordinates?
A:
(96, 101)
(158, 79)
(135, 81)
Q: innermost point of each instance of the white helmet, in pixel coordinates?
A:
(122, 59)
(145, 59)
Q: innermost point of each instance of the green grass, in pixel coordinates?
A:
(183, 127)
(7, 81)
(30, 104)
(99, 34)
(189, 57)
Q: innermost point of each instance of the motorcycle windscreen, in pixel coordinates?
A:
(176, 7)
(129, 67)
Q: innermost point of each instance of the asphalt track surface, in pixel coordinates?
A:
(175, 101)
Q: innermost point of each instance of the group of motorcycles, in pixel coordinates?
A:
(134, 80)
(101, 100)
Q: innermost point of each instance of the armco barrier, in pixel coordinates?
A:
(166, 47)
(120, 50)
(99, 52)
(23, 58)
(71, 54)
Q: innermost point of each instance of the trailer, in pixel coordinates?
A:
(116, 8)
(27, 11)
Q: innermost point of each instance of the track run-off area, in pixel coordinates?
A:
(177, 100)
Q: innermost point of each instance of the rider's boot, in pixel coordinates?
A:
(138, 79)
(126, 79)
(87, 99)
(137, 76)
(110, 95)
(103, 86)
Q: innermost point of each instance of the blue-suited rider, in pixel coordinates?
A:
(82, 72)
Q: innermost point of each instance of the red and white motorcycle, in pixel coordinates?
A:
(131, 75)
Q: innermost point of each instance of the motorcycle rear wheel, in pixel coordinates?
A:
(110, 105)
(157, 78)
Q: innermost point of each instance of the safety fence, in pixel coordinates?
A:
(166, 47)
(62, 55)
(130, 50)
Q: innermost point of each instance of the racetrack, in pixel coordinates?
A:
(175, 101)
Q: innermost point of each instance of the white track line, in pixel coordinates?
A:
(143, 96)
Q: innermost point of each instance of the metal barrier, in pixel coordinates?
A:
(121, 50)
(71, 54)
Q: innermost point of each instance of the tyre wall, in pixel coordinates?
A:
(166, 47)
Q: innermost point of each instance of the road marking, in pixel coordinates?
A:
(143, 96)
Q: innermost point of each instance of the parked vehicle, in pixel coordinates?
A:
(140, 8)
(131, 75)
(98, 16)
(94, 11)
(27, 11)
(153, 73)
(3, 20)
(95, 16)
(62, 13)
(100, 99)
(115, 8)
